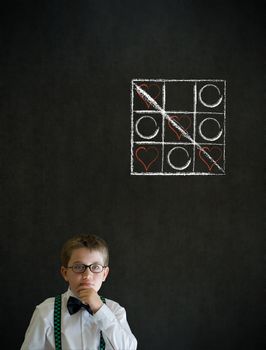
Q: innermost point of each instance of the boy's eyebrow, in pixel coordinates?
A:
(81, 262)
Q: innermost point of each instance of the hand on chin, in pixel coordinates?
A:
(90, 297)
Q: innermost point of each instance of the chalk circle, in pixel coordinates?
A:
(210, 88)
(151, 136)
(170, 162)
(216, 137)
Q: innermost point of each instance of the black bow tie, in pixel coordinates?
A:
(74, 304)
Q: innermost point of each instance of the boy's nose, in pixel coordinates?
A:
(87, 274)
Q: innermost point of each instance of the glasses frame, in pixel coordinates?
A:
(87, 267)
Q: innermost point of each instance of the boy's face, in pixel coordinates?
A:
(87, 279)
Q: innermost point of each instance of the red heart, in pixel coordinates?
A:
(147, 156)
(183, 120)
(214, 152)
(152, 89)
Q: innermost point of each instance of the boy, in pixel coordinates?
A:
(88, 322)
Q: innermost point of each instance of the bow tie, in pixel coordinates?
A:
(74, 304)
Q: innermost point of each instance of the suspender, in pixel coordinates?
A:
(57, 324)
(102, 342)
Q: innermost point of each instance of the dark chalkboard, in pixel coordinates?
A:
(186, 251)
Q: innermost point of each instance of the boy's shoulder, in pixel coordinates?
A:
(46, 307)
(112, 304)
(49, 302)
(115, 307)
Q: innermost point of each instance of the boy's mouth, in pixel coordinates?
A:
(86, 284)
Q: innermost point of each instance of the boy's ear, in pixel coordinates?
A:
(63, 271)
(106, 272)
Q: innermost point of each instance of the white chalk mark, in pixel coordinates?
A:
(148, 137)
(177, 173)
(178, 167)
(178, 80)
(174, 143)
(210, 138)
(224, 119)
(132, 127)
(163, 125)
(194, 122)
(155, 105)
(210, 105)
(175, 112)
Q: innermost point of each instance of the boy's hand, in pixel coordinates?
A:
(90, 297)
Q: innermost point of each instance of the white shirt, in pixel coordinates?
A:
(80, 331)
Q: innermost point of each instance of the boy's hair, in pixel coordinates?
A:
(92, 242)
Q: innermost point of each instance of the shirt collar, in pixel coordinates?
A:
(69, 293)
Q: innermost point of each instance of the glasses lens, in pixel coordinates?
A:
(78, 268)
(96, 268)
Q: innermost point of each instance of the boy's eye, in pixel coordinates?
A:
(96, 268)
(78, 267)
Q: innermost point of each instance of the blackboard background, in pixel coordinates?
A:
(186, 252)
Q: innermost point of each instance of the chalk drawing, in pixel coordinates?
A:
(153, 90)
(182, 167)
(178, 127)
(216, 137)
(182, 120)
(151, 135)
(147, 156)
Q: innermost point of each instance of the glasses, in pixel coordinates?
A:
(80, 268)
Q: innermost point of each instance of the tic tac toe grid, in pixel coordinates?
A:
(178, 127)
